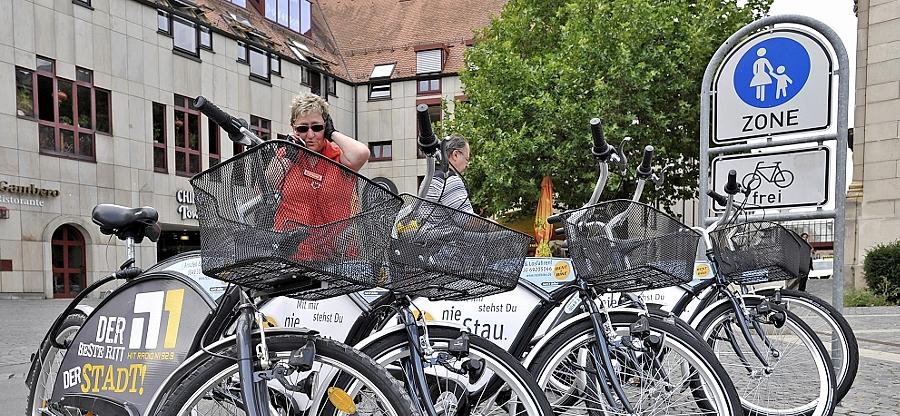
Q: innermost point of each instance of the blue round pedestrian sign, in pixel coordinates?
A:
(771, 72)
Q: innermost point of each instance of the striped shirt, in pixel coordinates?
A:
(454, 195)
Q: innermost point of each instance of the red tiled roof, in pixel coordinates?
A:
(352, 36)
(373, 32)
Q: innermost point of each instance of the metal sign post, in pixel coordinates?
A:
(774, 77)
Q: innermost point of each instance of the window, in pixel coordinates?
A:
(185, 36)
(380, 91)
(382, 71)
(241, 52)
(187, 138)
(275, 64)
(163, 23)
(160, 162)
(206, 38)
(242, 3)
(429, 61)
(292, 14)
(304, 75)
(68, 262)
(68, 112)
(419, 180)
(259, 63)
(261, 127)
(215, 144)
(379, 151)
(331, 85)
(428, 86)
(86, 3)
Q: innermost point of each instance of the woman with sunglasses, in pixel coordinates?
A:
(315, 193)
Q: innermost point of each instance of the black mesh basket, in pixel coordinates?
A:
(623, 246)
(758, 252)
(446, 254)
(285, 220)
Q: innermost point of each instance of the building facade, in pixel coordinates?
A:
(873, 208)
(95, 108)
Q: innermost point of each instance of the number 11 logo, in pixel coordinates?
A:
(154, 303)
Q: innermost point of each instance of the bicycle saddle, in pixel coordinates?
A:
(127, 222)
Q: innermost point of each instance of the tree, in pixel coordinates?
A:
(543, 69)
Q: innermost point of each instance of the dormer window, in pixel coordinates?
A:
(242, 3)
(292, 14)
(429, 61)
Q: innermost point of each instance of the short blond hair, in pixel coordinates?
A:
(307, 103)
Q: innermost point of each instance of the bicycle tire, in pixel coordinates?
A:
(40, 391)
(711, 389)
(845, 371)
(394, 346)
(823, 381)
(328, 352)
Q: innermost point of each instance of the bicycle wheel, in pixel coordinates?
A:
(213, 387)
(43, 375)
(800, 380)
(681, 376)
(501, 387)
(833, 330)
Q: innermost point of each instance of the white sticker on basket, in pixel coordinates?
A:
(548, 273)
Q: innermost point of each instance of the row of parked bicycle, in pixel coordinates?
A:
(163, 343)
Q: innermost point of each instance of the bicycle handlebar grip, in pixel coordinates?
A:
(427, 140)
(553, 219)
(644, 168)
(731, 187)
(600, 146)
(719, 198)
(223, 119)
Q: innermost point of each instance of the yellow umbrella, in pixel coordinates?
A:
(543, 232)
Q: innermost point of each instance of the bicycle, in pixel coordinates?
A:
(745, 254)
(777, 176)
(292, 371)
(625, 361)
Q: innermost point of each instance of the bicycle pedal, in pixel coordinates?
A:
(302, 358)
(460, 346)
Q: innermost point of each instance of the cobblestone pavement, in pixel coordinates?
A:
(875, 392)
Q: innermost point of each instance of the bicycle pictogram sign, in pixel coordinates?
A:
(773, 174)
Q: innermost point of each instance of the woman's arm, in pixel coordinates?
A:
(353, 153)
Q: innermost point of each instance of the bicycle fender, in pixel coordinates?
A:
(699, 317)
(186, 366)
(570, 322)
(401, 328)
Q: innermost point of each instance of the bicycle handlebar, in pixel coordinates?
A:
(719, 198)
(644, 169)
(232, 125)
(731, 187)
(601, 149)
(427, 140)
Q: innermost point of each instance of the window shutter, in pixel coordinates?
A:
(429, 61)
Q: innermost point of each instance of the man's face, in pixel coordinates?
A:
(305, 128)
(460, 158)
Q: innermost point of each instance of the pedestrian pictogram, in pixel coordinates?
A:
(771, 72)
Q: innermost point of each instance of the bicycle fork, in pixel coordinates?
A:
(255, 393)
(413, 367)
(605, 370)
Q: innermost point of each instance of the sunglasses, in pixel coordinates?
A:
(304, 128)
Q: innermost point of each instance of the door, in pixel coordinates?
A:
(69, 272)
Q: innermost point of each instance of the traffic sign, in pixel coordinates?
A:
(774, 83)
(785, 179)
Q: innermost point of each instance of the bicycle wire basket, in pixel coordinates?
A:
(284, 220)
(625, 246)
(446, 254)
(758, 252)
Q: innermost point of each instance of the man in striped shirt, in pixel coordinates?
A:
(451, 190)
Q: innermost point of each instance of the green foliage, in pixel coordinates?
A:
(541, 71)
(882, 267)
(857, 298)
